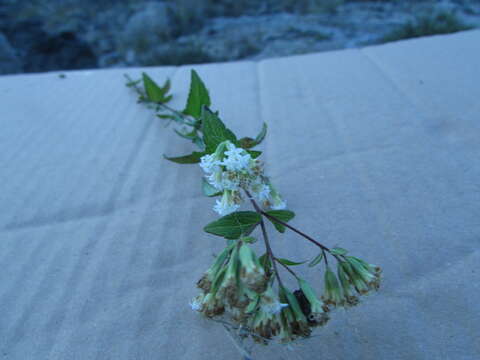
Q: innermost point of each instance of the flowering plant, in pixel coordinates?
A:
(246, 289)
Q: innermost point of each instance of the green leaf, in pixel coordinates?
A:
(254, 154)
(154, 92)
(166, 116)
(234, 225)
(193, 158)
(283, 215)
(197, 96)
(214, 131)
(338, 251)
(316, 260)
(209, 190)
(191, 135)
(261, 135)
(166, 87)
(167, 99)
(132, 83)
(248, 142)
(249, 239)
(290, 262)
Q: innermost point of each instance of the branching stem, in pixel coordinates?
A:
(309, 238)
(287, 268)
(132, 83)
(265, 239)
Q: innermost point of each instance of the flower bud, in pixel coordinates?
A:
(333, 294)
(229, 286)
(360, 286)
(285, 335)
(252, 274)
(210, 306)
(350, 298)
(206, 280)
(217, 281)
(219, 153)
(374, 269)
(299, 324)
(265, 322)
(317, 313)
(370, 274)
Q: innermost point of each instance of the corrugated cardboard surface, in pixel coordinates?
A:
(377, 150)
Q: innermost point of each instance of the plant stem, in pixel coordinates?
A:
(270, 253)
(176, 112)
(325, 257)
(287, 268)
(309, 238)
(141, 93)
(265, 239)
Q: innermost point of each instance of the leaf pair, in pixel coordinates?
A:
(155, 93)
(334, 251)
(213, 129)
(214, 132)
(282, 215)
(234, 225)
(242, 223)
(267, 263)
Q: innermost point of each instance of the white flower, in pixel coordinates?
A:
(228, 203)
(209, 164)
(231, 168)
(261, 191)
(275, 201)
(236, 159)
(279, 204)
(196, 304)
(216, 180)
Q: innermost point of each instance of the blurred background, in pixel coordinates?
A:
(44, 35)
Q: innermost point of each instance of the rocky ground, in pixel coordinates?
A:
(71, 34)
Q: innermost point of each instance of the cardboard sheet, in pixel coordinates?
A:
(376, 150)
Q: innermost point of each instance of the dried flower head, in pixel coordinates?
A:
(333, 295)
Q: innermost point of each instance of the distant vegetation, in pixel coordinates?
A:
(439, 23)
(194, 9)
(42, 35)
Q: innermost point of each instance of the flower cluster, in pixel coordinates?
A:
(236, 265)
(355, 276)
(237, 286)
(230, 169)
